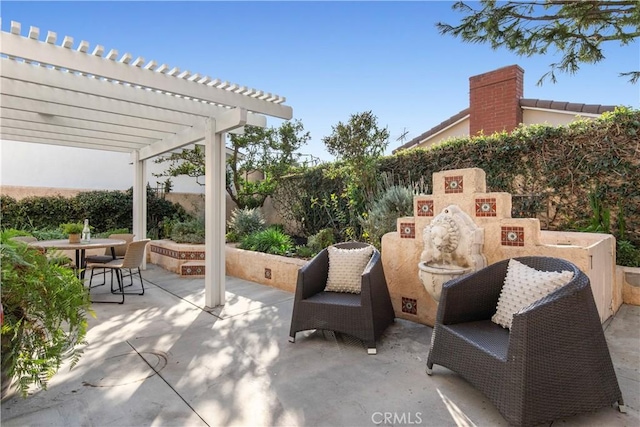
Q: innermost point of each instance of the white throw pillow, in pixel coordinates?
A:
(346, 267)
(523, 286)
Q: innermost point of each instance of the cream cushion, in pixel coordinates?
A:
(346, 267)
(523, 286)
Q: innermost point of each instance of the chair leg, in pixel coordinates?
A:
(119, 280)
(621, 407)
(121, 284)
(292, 338)
(371, 347)
(112, 290)
(429, 368)
(141, 282)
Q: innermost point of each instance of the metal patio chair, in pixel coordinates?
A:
(132, 260)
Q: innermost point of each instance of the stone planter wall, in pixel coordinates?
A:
(630, 278)
(188, 260)
(273, 270)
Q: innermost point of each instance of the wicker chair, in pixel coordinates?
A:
(112, 253)
(364, 316)
(553, 363)
(132, 260)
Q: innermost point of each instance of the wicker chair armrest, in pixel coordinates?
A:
(373, 280)
(559, 305)
(312, 277)
(472, 297)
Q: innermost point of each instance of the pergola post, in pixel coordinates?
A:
(215, 214)
(139, 198)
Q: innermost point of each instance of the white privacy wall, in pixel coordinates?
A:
(40, 165)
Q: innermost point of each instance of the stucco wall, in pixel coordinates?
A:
(40, 165)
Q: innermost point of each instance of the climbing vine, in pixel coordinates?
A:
(549, 170)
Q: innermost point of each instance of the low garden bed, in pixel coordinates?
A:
(188, 260)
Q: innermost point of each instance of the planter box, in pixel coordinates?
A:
(273, 270)
(188, 260)
(171, 255)
(630, 285)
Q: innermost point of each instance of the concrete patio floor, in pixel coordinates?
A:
(161, 359)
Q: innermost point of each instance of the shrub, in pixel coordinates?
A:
(270, 241)
(246, 221)
(627, 254)
(106, 210)
(107, 233)
(396, 201)
(305, 252)
(548, 170)
(47, 233)
(45, 307)
(191, 231)
(321, 240)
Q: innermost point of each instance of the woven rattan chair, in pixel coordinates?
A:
(554, 361)
(132, 260)
(364, 316)
(118, 251)
(111, 253)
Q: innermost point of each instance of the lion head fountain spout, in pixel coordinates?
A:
(452, 247)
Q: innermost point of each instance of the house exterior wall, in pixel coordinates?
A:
(49, 166)
(532, 117)
(459, 130)
(529, 117)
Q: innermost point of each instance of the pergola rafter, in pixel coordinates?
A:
(79, 96)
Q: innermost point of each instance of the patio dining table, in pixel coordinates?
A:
(80, 248)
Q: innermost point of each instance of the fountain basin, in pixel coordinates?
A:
(434, 275)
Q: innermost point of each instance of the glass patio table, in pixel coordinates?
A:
(80, 248)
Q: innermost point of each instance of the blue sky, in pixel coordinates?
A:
(329, 59)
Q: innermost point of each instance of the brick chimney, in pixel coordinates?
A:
(494, 100)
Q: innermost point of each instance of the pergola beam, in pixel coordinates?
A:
(68, 81)
(29, 117)
(83, 97)
(53, 109)
(62, 131)
(58, 56)
(9, 133)
(64, 143)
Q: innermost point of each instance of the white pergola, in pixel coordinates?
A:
(56, 92)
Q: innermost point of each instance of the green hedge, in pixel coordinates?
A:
(106, 210)
(549, 170)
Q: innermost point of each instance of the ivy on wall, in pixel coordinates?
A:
(549, 170)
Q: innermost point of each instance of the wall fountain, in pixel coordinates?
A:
(452, 247)
(461, 227)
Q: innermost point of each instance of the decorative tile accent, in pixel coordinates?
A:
(512, 236)
(486, 207)
(192, 270)
(409, 305)
(164, 251)
(453, 184)
(407, 230)
(267, 273)
(197, 255)
(425, 207)
(187, 255)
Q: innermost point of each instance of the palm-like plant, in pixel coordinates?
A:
(44, 315)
